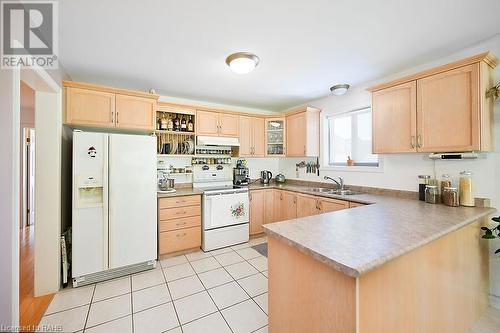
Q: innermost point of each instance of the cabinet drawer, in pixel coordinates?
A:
(179, 212)
(187, 222)
(174, 202)
(178, 240)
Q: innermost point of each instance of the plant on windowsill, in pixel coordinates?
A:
(492, 233)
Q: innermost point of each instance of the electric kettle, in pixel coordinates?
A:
(265, 177)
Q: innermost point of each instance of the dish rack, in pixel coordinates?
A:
(175, 143)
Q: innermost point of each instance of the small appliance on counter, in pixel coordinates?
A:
(280, 178)
(265, 177)
(240, 176)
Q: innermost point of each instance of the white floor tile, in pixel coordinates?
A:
(241, 269)
(262, 301)
(262, 330)
(221, 251)
(215, 278)
(70, 298)
(257, 241)
(229, 258)
(265, 273)
(194, 307)
(198, 255)
(245, 317)
(158, 319)
(254, 285)
(175, 330)
(112, 288)
(248, 253)
(150, 297)
(147, 279)
(213, 323)
(66, 321)
(172, 261)
(205, 265)
(184, 287)
(241, 246)
(109, 309)
(260, 263)
(122, 325)
(178, 272)
(227, 295)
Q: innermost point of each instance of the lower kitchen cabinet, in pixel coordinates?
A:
(289, 207)
(261, 209)
(179, 223)
(330, 205)
(307, 205)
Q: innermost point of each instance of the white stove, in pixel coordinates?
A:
(225, 208)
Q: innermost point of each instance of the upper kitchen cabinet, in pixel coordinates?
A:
(443, 109)
(251, 133)
(98, 106)
(390, 106)
(275, 136)
(213, 123)
(135, 112)
(302, 132)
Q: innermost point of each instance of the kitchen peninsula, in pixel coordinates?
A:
(394, 265)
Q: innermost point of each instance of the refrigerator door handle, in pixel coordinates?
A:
(105, 204)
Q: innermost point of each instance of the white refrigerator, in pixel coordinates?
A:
(114, 205)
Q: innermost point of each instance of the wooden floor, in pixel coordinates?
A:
(31, 309)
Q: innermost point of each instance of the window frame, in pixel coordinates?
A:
(357, 167)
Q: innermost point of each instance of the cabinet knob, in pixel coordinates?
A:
(419, 141)
(413, 141)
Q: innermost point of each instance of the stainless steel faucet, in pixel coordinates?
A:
(339, 183)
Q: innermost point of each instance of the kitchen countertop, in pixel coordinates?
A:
(180, 192)
(358, 240)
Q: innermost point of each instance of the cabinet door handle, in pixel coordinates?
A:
(413, 141)
(180, 223)
(113, 117)
(250, 197)
(281, 196)
(117, 117)
(181, 235)
(419, 141)
(180, 212)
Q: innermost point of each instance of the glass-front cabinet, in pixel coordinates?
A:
(275, 137)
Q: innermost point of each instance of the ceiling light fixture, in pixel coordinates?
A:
(339, 89)
(242, 62)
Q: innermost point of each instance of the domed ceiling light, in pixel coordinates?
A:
(242, 62)
(339, 89)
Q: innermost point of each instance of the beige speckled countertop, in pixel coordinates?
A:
(357, 240)
(180, 192)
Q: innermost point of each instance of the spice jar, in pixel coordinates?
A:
(423, 181)
(445, 182)
(431, 194)
(466, 188)
(449, 196)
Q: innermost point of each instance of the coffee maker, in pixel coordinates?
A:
(240, 174)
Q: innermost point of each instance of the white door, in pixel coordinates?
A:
(221, 210)
(132, 199)
(90, 212)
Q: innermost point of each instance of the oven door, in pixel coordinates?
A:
(226, 209)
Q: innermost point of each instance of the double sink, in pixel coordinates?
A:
(332, 191)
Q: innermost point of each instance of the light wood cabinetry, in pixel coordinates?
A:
(302, 133)
(98, 106)
(90, 107)
(289, 208)
(326, 205)
(394, 118)
(443, 109)
(307, 205)
(135, 112)
(179, 223)
(278, 205)
(355, 204)
(448, 111)
(275, 136)
(252, 132)
(212, 123)
(261, 209)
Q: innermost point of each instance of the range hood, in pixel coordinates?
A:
(217, 141)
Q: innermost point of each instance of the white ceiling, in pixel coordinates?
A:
(179, 47)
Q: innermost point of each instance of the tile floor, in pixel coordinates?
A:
(220, 291)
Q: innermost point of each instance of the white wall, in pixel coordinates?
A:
(400, 171)
(9, 203)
